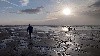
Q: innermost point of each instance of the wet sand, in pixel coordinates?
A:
(51, 41)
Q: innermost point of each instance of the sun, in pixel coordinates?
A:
(67, 11)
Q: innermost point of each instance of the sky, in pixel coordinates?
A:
(49, 12)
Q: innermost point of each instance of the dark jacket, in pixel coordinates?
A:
(30, 29)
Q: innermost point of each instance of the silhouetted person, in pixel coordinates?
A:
(69, 28)
(74, 29)
(30, 30)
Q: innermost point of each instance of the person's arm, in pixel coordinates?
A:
(27, 29)
(32, 29)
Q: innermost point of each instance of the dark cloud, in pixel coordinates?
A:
(96, 4)
(94, 10)
(32, 11)
(94, 14)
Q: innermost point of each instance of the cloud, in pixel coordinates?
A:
(10, 3)
(96, 4)
(50, 18)
(24, 2)
(32, 11)
(94, 10)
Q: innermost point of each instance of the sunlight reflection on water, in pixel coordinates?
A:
(68, 35)
(64, 28)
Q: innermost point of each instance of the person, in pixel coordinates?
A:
(69, 28)
(30, 30)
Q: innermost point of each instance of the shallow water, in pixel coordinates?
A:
(54, 41)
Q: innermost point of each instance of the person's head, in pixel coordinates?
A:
(29, 24)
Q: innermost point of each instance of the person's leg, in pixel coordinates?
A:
(30, 35)
(30, 42)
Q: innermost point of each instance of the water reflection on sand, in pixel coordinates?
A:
(53, 40)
